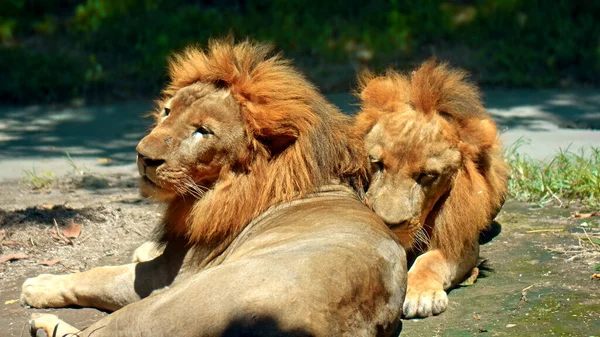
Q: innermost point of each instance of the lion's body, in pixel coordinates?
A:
(265, 233)
(438, 175)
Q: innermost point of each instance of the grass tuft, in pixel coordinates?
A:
(38, 181)
(569, 176)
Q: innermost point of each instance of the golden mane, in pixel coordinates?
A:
(297, 141)
(433, 88)
(479, 187)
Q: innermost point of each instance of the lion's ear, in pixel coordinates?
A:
(480, 132)
(379, 93)
(384, 92)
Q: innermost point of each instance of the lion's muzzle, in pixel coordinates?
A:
(147, 167)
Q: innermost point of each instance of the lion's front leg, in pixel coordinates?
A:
(105, 288)
(46, 325)
(108, 288)
(428, 279)
(147, 251)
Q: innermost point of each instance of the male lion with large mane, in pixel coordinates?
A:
(438, 175)
(265, 233)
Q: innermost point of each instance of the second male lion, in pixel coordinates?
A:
(438, 175)
(265, 232)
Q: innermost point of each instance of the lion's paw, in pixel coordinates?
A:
(44, 291)
(424, 302)
(46, 325)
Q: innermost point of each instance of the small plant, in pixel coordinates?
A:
(39, 181)
(568, 176)
(79, 170)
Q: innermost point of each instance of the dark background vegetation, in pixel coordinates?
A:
(57, 51)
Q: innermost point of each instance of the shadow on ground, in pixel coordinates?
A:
(533, 109)
(531, 286)
(110, 131)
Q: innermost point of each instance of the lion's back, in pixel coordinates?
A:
(331, 250)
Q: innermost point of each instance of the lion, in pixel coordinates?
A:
(438, 177)
(265, 232)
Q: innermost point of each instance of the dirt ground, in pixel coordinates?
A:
(533, 283)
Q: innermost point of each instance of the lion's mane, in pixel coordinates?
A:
(479, 187)
(297, 141)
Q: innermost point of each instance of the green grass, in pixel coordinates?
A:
(568, 176)
(38, 181)
(76, 169)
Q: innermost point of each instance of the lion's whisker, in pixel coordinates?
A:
(421, 239)
(192, 188)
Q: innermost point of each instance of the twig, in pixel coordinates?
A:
(61, 235)
(572, 258)
(590, 239)
(546, 187)
(552, 230)
(554, 196)
(524, 294)
(132, 227)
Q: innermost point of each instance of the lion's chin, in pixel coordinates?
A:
(406, 238)
(148, 189)
(409, 233)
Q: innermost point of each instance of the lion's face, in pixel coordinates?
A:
(413, 160)
(199, 131)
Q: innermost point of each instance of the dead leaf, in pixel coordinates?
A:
(596, 276)
(11, 257)
(476, 317)
(471, 279)
(72, 230)
(47, 207)
(103, 160)
(50, 262)
(576, 214)
(11, 302)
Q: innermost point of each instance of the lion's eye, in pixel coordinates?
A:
(376, 164)
(204, 131)
(167, 111)
(427, 178)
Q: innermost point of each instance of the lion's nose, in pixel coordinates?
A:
(146, 162)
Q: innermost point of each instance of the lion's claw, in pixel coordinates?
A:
(46, 325)
(424, 303)
(42, 325)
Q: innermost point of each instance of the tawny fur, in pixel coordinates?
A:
(313, 146)
(436, 92)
